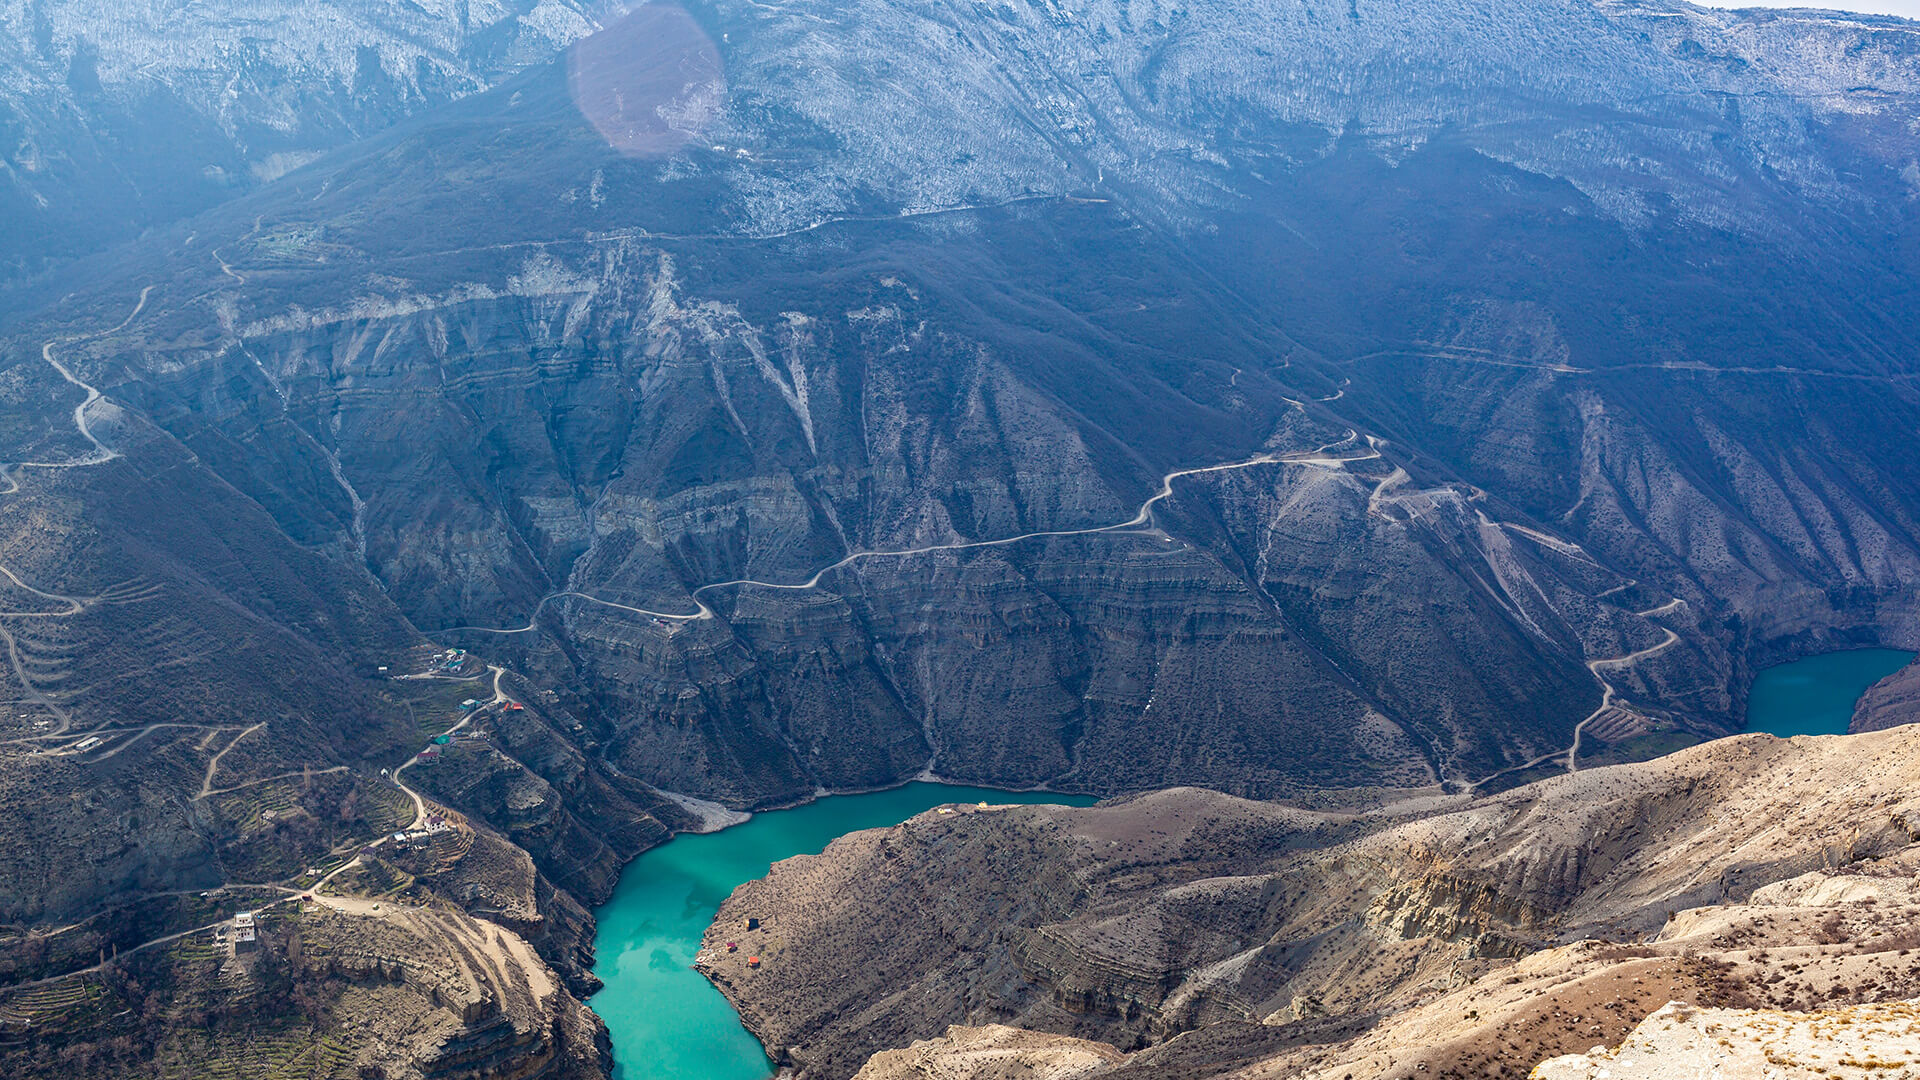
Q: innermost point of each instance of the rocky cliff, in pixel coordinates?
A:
(1679, 1042)
(1892, 701)
(1187, 926)
(1356, 406)
(341, 987)
(605, 409)
(793, 482)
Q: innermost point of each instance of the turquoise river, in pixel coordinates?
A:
(669, 1023)
(1816, 696)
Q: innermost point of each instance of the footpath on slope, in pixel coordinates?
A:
(1315, 457)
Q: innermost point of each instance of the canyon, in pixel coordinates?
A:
(1188, 933)
(1321, 428)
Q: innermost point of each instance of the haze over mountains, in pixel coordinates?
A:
(122, 117)
(1322, 401)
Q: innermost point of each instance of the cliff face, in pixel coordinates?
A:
(1422, 626)
(1892, 701)
(1144, 395)
(1157, 920)
(796, 455)
(338, 987)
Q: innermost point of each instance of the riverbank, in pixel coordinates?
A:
(665, 1019)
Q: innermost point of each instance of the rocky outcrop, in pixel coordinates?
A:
(1805, 953)
(1680, 1042)
(527, 777)
(364, 988)
(993, 1053)
(1145, 923)
(1892, 701)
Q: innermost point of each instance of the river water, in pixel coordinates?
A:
(669, 1023)
(1816, 696)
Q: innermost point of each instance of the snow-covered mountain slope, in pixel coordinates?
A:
(122, 115)
(116, 115)
(1639, 106)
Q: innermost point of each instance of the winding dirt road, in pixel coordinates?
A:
(1313, 458)
(420, 804)
(1607, 695)
(102, 453)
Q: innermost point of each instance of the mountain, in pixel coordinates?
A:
(1350, 404)
(1557, 436)
(1209, 936)
(120, 117)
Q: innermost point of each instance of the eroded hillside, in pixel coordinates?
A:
(1361, 407)
(1206, 934)
(1316, 483)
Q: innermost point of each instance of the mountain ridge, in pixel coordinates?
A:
(1191, 929)
(1121, 399)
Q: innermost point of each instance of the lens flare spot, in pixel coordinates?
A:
(648, 83)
